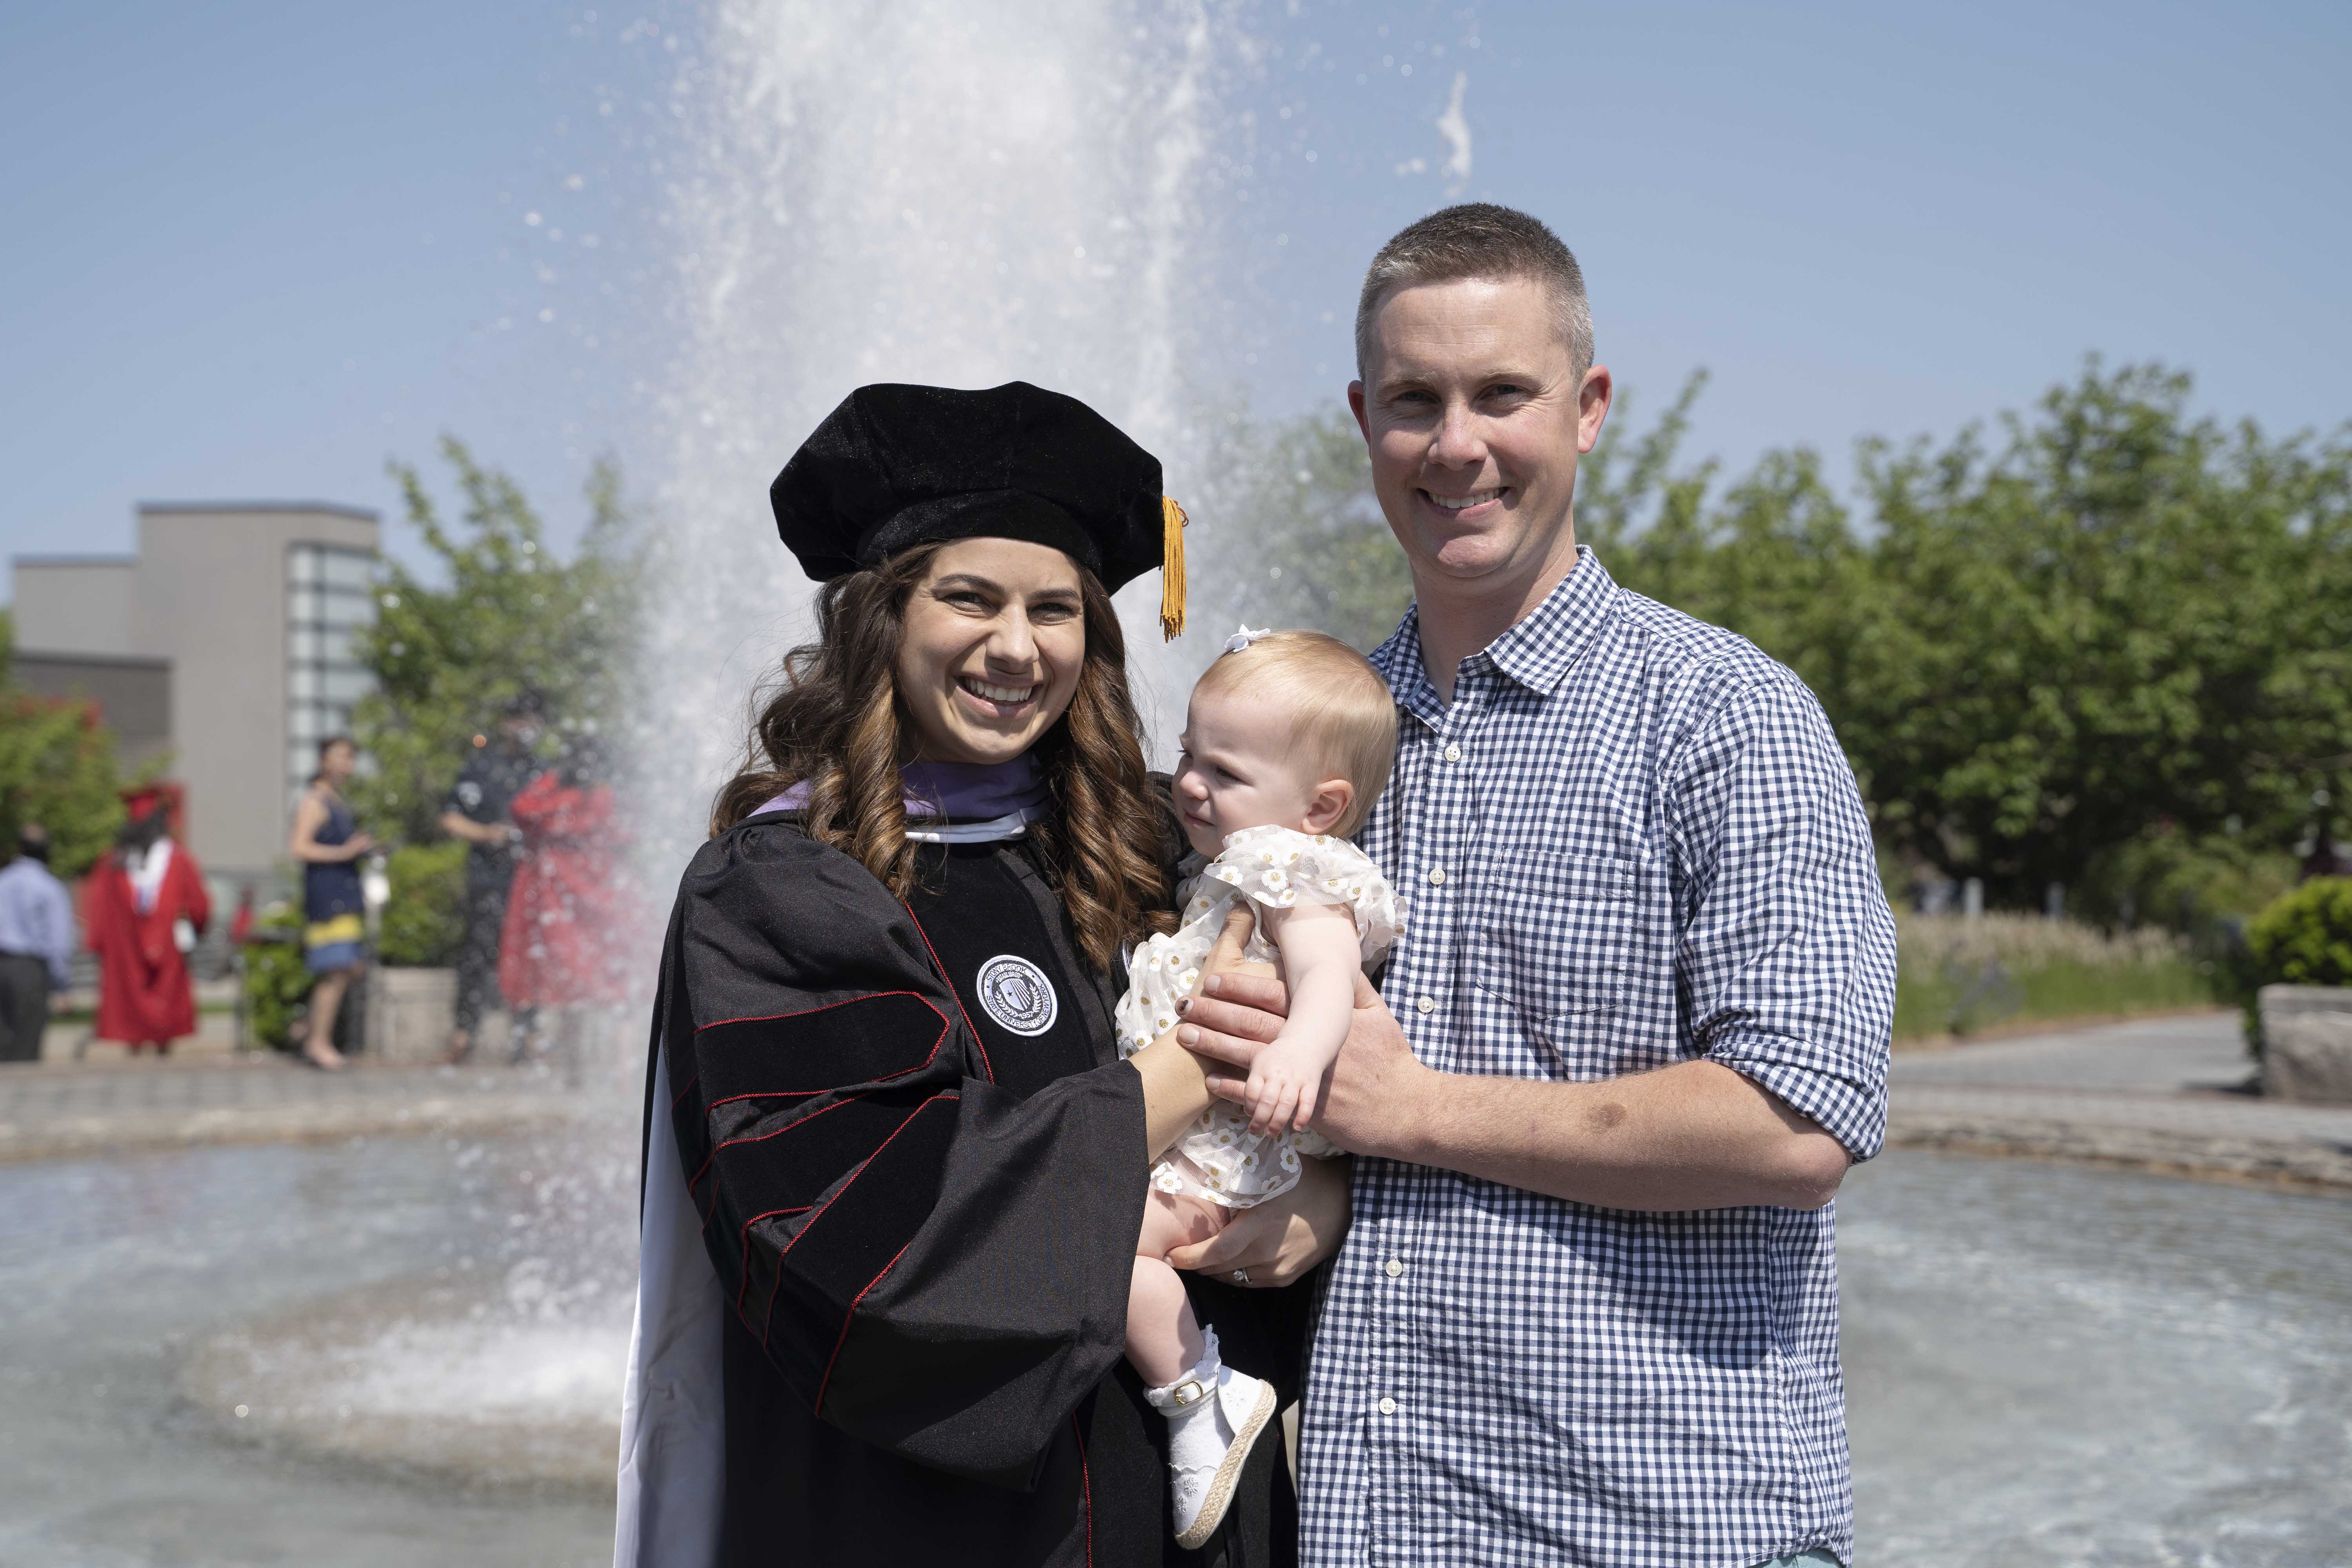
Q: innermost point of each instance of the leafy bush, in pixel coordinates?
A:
(2305, 938)
(277, 986)
(425, 918)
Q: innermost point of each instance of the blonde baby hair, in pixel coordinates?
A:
(1345, 716)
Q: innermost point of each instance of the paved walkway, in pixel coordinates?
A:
(2167, 1094)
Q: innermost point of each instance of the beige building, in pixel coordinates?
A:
(224, 641)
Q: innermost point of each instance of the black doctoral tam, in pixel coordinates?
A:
(897, 465)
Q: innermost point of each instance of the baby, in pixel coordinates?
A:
(1289, 737)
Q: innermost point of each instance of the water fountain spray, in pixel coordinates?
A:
(921, 191)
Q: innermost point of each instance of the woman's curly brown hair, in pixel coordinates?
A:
(833, 720)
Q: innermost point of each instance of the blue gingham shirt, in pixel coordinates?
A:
(1631, 839)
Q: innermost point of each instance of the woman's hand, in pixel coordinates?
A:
(1279, 1240)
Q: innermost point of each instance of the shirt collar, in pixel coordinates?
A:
(1537, 650)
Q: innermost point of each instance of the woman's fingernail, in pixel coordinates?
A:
(1187, 1036)
(1211, 985)
(1184, 1006)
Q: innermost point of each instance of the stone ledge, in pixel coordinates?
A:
(466, 1115)
(2291, 1162)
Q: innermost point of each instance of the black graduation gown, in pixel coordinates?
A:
(920, 1177)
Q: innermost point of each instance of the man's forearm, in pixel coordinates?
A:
(486, 833)
(1695, 1135)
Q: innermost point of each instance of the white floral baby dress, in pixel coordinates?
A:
(1218, 1158)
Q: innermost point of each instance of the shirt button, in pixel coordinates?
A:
(1453, 753)
(1437, 876)
(1427, 1004)
(1393, 1267)
(1388, 1407)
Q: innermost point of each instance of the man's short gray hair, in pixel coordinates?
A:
(1480, 240)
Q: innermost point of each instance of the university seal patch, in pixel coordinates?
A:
(1016, 994)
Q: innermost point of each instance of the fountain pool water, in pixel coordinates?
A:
(2045, 1364)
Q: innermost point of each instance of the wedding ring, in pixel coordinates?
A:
(1241, 1276)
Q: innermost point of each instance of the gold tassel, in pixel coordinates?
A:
(1172, 568)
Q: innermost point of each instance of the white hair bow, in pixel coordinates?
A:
(1244, 637)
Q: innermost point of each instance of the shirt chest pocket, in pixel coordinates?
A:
(1554, 934)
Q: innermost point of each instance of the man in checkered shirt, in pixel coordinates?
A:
(1634, 1034)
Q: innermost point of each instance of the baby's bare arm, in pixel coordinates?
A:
(1320, 960)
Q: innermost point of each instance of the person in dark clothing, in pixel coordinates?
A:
(479, 810)
(893, 1164)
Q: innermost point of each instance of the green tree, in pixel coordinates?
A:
(57, 768)
(508, 616)
(2094, 651)
(2123, 620)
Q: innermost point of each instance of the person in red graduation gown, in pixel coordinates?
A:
(144, 907)
(566, 920)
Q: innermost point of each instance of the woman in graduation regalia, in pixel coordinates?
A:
(894, 1166)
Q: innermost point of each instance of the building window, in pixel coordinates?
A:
(327, 601)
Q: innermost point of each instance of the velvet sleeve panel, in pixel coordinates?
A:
(937, 1266)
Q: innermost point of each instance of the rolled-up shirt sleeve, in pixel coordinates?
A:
(1786, 951)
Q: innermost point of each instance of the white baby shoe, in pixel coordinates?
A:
(1214, 1417)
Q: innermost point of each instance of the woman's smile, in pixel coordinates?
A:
(997, 699)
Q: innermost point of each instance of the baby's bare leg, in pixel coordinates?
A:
(1163, 1338)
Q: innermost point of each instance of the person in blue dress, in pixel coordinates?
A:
(327, 843)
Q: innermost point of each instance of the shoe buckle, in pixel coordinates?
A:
(1198, 1393)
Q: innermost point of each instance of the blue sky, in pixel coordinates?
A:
(256, 249)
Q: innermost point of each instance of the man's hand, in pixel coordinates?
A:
(1371, 1091)
(1280, 1239)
